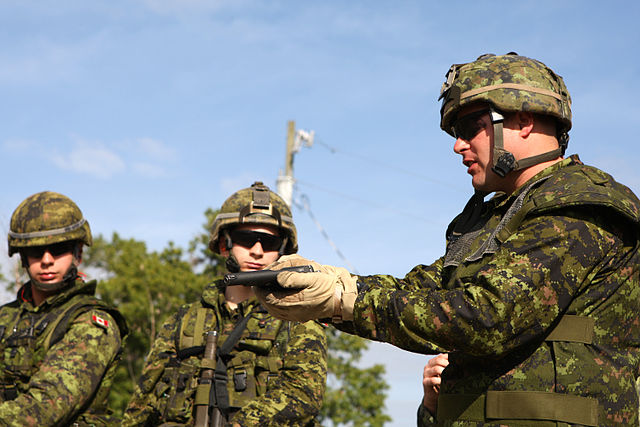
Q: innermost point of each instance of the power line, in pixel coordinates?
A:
(386, 207)
(304, 204)
(389, 166)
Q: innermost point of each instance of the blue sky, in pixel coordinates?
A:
(148, 112)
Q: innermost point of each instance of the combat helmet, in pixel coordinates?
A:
(46, 218)
(254, 205)
(509, 83)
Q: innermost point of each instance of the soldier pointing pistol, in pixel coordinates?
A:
(536, 298)
(225, 357)
(59, 344)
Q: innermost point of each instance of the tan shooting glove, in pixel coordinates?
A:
(327, 293)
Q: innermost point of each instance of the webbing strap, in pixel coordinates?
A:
(183, 340)
(202, 394)
(60, 325)
(514, 86)
(518, 405)
(573, 328)
(539, 158)
(46, 233)
(219, 395)
(207, 363)
(198, 332)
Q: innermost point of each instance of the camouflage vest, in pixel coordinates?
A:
(254, 362)
(470, 238)
(22, 349)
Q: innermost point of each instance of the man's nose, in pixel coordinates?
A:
(47, 258)
(460, 145)
(257, 249)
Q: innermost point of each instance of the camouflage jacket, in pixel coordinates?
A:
(57, 360)
(536, 299)
(276, 373)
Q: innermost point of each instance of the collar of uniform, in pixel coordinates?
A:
(500, 199)
(79, 287)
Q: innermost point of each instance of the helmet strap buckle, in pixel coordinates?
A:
(506, 163)
(503, 161)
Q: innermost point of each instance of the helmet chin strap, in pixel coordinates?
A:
(503, 160)
(232, 264)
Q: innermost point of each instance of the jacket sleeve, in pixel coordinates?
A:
(510, 298)
(295, 396)
(69, 375)
(425, 419)
(144, 406)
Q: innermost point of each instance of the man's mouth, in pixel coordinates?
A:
(253, 266)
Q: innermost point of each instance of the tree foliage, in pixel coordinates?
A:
(148, 286)
(355, 396)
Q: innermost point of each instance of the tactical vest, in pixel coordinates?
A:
(254, 362)
(573, 185)
(23, 349)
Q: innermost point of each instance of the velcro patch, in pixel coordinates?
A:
(99, 321)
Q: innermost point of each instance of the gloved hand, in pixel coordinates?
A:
(328, 292)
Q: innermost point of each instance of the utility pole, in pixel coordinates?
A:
(295, 138)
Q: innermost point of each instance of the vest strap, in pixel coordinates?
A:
(202, 394)
(207, 363)
(496, 406)
(198, 333)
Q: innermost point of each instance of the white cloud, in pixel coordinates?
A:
(172, 7)
(154, 148)
(145, 157)
(91, 159)
(148, 170)
(40, 61)
(18, 145)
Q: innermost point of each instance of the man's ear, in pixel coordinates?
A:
(77, 253)
(525, 121)
(24, 261)
(222, 247)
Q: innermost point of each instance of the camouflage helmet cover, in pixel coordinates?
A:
(255, 205)
(511, 83)
(46, 218)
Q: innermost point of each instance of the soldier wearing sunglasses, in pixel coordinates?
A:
(268, 372)
(536, 298)
(59, 344)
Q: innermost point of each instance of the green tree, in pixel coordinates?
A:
(355, 396)
(148, 286)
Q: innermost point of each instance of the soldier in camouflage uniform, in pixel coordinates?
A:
(59, 344)
(272, 373)
(536, 298)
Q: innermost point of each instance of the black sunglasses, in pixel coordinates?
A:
(248, 238)
(55, 249)
(469, 125)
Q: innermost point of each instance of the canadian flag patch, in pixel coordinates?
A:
(100, 321)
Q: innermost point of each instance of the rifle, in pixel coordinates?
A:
(207, 416)
(261, 277)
